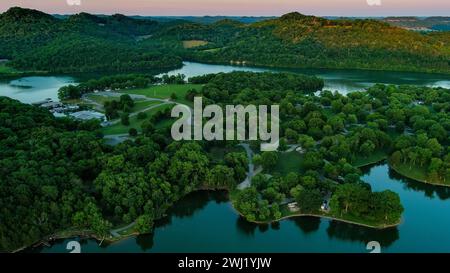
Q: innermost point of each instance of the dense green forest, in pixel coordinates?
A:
(36, 41)
(296, 40)
(337, 134)
(57, 174)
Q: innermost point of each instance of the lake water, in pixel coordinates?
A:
(206, 222)
(343, 81)
(33, 89)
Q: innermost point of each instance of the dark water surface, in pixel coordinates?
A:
(206, 222)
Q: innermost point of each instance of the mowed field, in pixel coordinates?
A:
(135, 123)
(165, 91)
(6, 69)
(194, 43)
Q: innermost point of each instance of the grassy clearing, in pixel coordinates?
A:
(212, 49)
(4, 69)
(100, 99)
(135, 123)
(288, 162)
(194, 43)
(138, 104)
(165, 91)
(141, 105)
(377, 156)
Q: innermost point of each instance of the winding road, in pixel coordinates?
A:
(251, 167)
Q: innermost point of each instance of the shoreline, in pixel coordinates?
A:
(294, 67)
(329, 217)
(371, 163)
(392, 166)
(62, 235)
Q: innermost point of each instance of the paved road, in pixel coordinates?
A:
(251, 167)
(115, 232)
(136, 113)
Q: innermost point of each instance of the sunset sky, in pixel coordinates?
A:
(238, 7)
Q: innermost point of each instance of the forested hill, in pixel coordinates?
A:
(296, 40)
(83, 43)
(37, 41)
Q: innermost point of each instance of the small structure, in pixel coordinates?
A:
(88, 115)
(59, 115)
(293, 207)
(325, 207)
(105, 123)
(51, 105)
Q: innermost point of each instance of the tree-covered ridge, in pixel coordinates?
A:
(36, 41)
(85, 42)
(256, 88)
(295, 40)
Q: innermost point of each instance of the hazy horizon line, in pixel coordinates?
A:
(228, 15)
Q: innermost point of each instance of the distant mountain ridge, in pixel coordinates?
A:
(84, 42)
(297, 40)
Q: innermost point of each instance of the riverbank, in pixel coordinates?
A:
(64, 234)
(130, 232)
(416, 175)
(321, 215)
(375, 158)
(318, 67)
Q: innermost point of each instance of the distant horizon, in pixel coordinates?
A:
(239, 8)
(226, 15)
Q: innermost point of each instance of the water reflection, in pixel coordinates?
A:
(145, 242)
(348, 232)
(245, 227)
(430, 191)
(206, 222)
(307, 224)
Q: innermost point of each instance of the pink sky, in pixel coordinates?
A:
(238, 7)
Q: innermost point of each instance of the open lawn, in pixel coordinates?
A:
(419, 174)
(194, 43)
(288, 162)
(212, 49)
(4, 69)
(377, 156)
(119, 128)
(165, 91)
(100, 99)
(140, 105)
